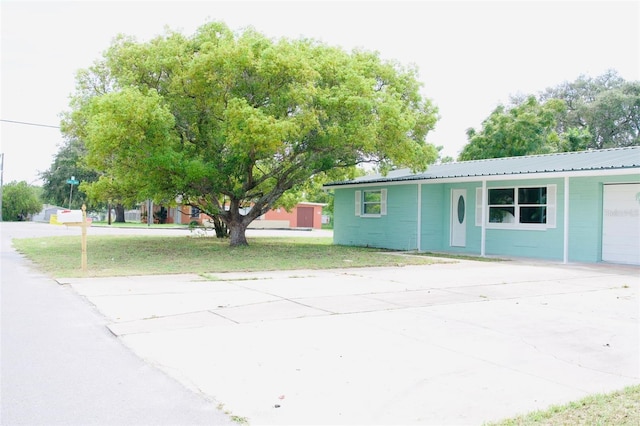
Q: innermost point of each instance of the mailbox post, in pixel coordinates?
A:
(77, 218)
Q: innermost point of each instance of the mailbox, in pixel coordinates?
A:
(69, 216)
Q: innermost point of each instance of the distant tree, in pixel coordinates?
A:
(19, 201)
(240, 119)
(589, 113)
(525, 129)
(112, 193)
(607, 106)
(443, 159)
(68, 162)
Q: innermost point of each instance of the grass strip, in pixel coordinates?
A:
(149, 255)
(620, 408)
(459, 256)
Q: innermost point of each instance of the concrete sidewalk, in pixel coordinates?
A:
(457, 343)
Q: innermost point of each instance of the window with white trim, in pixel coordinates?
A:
(371, 202)
(519, 207)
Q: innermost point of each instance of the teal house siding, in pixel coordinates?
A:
(436, 223)
(419, 208)
(401, 219)
(397, 230)
(346, 227)
(535, 243)
(431, 232)
(585, 219)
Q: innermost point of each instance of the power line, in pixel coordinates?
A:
(30, 124)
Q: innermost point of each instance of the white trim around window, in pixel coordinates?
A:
(371, 203)
(518, 207)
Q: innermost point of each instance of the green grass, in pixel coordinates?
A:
(143, 255)
(620, 408)
(138, 225)
(459, 256)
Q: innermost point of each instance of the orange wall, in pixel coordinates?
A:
(274, 214)
(292, 217)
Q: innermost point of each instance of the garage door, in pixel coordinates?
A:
(305, 217)
(621, 224)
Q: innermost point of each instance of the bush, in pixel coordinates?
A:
(19, 201)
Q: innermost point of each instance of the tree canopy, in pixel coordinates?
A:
(607, 106)
(19, 200)
(590, 113)
(67, 162)
(225, 121)
(525, 129)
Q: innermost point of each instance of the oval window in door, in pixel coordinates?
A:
(461, 209)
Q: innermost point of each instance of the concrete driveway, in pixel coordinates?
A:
(456, 343)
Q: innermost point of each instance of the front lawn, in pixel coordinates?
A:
(144, 255)
(618, 408)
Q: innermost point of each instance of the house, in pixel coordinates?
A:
(303, 215)
(569, 207)
(46, 212)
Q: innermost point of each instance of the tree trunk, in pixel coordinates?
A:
(220, 227)
(120, 213)
(237, 235)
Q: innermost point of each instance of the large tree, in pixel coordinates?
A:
(19, 201)
(229, 122)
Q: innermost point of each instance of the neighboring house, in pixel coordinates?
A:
(46, 212)
(570, 207)
(303, 215)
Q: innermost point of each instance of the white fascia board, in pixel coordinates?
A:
(519, 176)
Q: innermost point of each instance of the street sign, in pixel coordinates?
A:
(72, 182)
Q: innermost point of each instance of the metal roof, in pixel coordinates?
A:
(593, 160)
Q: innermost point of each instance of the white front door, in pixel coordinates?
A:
(458, 217)
(621, 223)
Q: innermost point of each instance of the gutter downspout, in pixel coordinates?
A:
(565, 255)
(483, 233)
(419, 221)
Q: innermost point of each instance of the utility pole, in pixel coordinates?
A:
(1, 181)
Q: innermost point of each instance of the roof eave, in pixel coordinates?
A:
(610, 171)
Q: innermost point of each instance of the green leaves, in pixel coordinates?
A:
(69, 161)
(526, 129)
(238, 115)
(590, 113)
(19, 200)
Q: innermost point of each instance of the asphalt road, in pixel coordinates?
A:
(61, 366)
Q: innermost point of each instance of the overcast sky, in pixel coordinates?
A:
(471, 55)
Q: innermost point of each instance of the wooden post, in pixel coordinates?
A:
(84, 238)
(84, 224)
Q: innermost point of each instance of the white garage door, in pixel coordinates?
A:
(621, 224)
